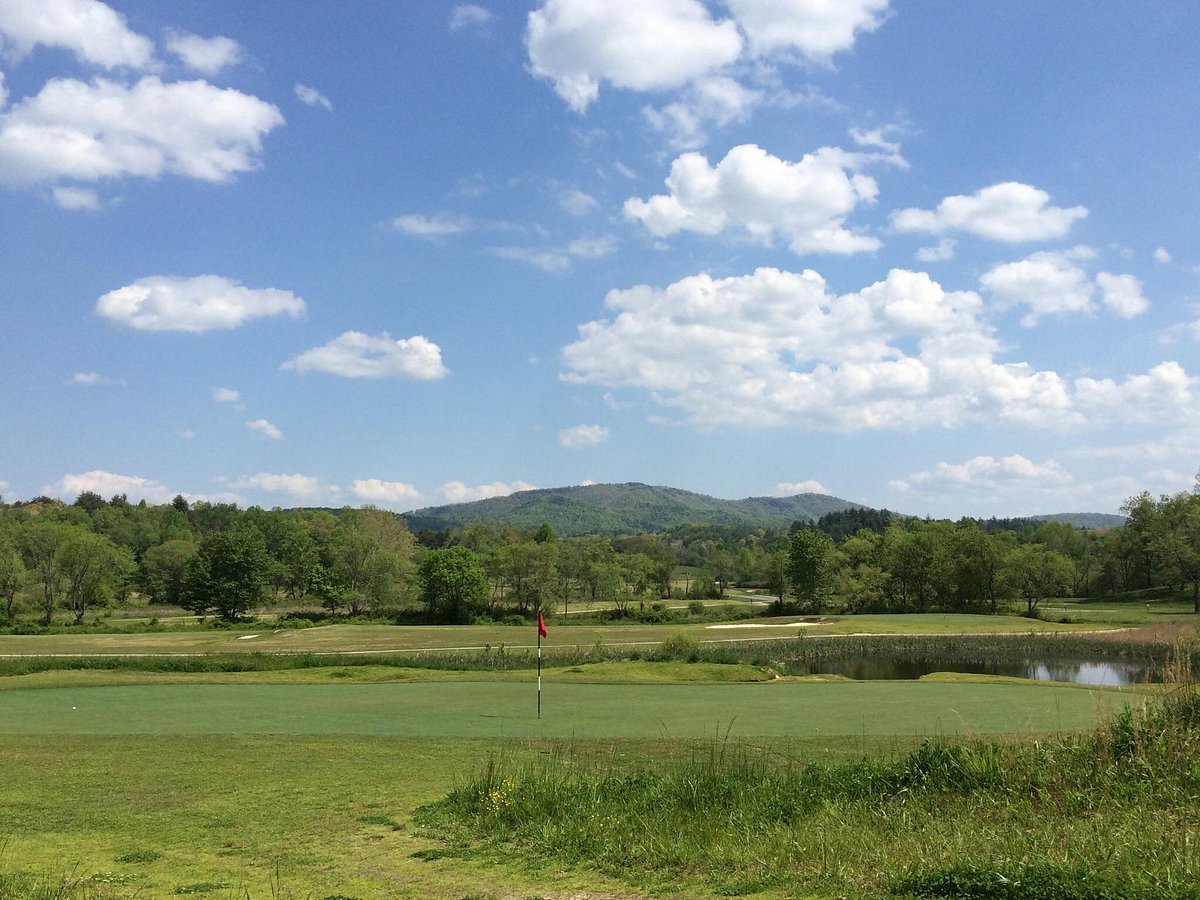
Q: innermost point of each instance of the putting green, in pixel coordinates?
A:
(507, 709)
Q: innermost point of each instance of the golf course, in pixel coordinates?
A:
(374, 761)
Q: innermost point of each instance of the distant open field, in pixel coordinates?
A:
(401, 638)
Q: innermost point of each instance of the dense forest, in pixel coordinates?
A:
(61, 562)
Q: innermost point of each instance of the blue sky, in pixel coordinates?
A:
(934, 256)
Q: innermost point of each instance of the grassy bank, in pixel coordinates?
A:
(1111, 814)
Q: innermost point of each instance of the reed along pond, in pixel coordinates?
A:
(1082, 671)
(1073, 659)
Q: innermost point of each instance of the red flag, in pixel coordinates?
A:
(541, 626)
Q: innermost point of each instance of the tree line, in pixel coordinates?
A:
(60, 559)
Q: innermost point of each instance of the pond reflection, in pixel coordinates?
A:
(1074, 671)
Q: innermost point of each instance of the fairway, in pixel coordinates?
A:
(507, 709)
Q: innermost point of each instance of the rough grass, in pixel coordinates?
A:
(1112, 813)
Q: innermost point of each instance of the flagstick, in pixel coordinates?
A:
(539, 714)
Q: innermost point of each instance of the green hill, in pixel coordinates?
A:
(623, 509)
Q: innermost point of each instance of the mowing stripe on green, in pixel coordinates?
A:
(496, 709)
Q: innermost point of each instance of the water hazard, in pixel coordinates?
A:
(1074, 671)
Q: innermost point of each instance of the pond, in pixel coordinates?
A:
(1075, 671)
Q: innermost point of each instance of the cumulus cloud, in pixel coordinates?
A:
(815, 29)
(76, 198)
(761, 195)
(89, 29)
(92, 379)
(265, 428)
(1048, 282)
(558, 259)
(576, 202)
(225, 395)
(778, 348)
(1010, 211)
(650, 45)
(718, 100)
(208, 56)
(940, 252)
(198, 304)
(659, 45)
(791, 488)
(312, 97)
(390, 492)
(1122, 294)
(109, 484)
(457, 492)
(1162, 256)
(72, 130)
(1053, 283)
(580, 437)
(296, 485)
(419, 225)
(470, 15)
(357, 355)
(986, 474)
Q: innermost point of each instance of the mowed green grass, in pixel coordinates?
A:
(401, 638)
(507, 709)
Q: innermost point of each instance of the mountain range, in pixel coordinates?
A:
(634, 508)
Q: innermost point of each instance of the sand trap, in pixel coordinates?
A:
(246, 637)
(772, 625)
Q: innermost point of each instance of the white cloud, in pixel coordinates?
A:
(717, 99)
(208, 56)
(806, 202)
(265, 428)
(1162, 256)
(877, 137)
(470, 15)
(580, 437)
(187, 434)
(1053, 283)
(650, 45)
(1010, 211)
(791, 488)
(1122, 294)
(94, 32)
(105, 130)
(312, 97)
(1049, 283)
(92, 379)
(940, 252)
(556, 260)
(592, 248)
(986, 474)
(816, 29)
(546, 260)
(3, 91)
(393, 493)
(295, 485)
(225, 395)
(457, 492)
(76, 198)
(419, 225)
(198, 304)
(778, 348)
(576, 202)
(357, 355)
(109, 484)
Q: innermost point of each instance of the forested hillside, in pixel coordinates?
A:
(614, 509)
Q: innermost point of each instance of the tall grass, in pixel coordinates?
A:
(1114, 811)
(782, 656)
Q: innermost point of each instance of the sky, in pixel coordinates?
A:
(936, 256)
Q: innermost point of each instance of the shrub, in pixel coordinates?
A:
(679, 646)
